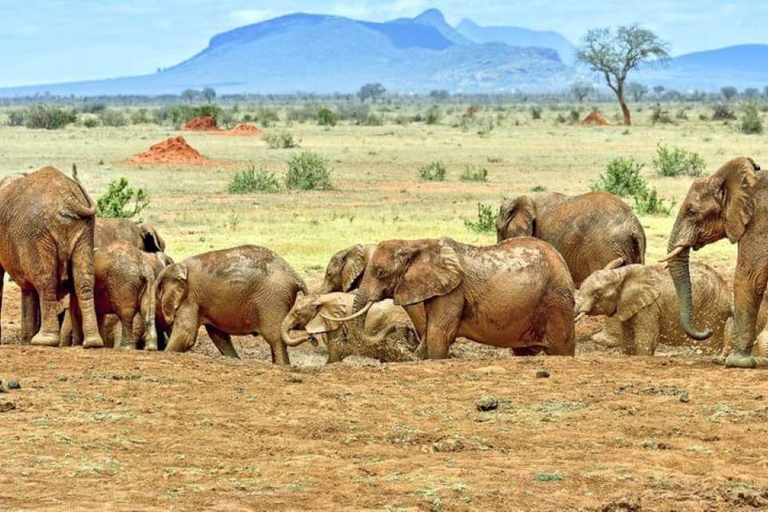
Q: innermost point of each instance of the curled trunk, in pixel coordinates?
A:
(680, 272)
(285, 334)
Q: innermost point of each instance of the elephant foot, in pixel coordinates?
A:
(737, 360)
(93, 342)
(42, 339)
(151, 348)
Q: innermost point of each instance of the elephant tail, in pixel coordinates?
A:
(77, 209)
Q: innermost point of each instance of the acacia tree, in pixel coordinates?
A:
(614, 55)
(581, 90)
(371, 91)
(636, 90)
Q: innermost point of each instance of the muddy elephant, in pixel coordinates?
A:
(243, 290)
(590, 230)
(144, 237)
(388, 335)
(731, 203)
(644, 300)
(345, 270)
(46, 246)
(517, 294)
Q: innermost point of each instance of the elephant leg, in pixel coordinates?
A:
(184, 331)
(101, 323)
(442, 320)
(279, 351)
(48, 335)
(559, 333)
(30, 315)
(223, 342)
(2, 284)
(83, 285)
(65, 334)
(148, 305)
(748, 290)
(418, 316)
(127, 337)
(76, 320)
(646, 334)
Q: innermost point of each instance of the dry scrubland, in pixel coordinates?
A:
(185, 431)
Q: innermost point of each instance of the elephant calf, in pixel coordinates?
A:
(643, 299)
(388, 334)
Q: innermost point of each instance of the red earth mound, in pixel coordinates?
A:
(202, 124)
(244, 129)
(171, 151)
(595, 119)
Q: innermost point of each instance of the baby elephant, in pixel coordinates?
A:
(643, 299)
(388, 335)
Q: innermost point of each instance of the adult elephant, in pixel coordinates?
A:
(345, 270)
(46, 246)
(143, 237)
(590, 230)
(244, 290)
(517, 294)
(732, 203)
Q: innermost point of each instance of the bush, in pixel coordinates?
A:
(751, 122)
(371, 120)
(326, 117)
(721, 112)
(141, 116)
(486, 220)
(432, 172)
(48, 118)
(308, 171)
(282, 140)
(648, 203)
(659, 116)
(15, 118)
(538, 188)
(252, 180)
(535, 113)
(433, 115)
(677, 162)
(114, 202)
(91, 122)
(474, 174)
(622, 178)
(113, 118)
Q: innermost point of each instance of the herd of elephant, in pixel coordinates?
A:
(108, 282)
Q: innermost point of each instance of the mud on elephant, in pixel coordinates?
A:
(517, 294)
(388, 334)
(238, 291)
(643, 299)
(144, 237)
(731, 203)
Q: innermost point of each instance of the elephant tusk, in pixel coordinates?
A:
(579, 317)
(350, 317)
(677, 250)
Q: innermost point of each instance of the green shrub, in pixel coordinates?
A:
(141, 116)
(677, 162)
(575, 116)
(252, 180)
(433, 115)
(648, 202)
(48, 118)
(474, 174)
(308, 171)
(326, 117)
(432, 172)
(114, 203)
(91, 122)
(535, 113)
(622, 178)
(660, 116)
(114, 118)
(371, 120)
(751, 122)
(180, 114)
(538, 188)
(486, 220)
(722, 112)
(282, 140)
(15, 118)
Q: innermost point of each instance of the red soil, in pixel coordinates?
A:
(202, 124)
(171, 151)
(244, 129)
(595, 119)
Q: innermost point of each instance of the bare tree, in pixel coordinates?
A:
(189, 95)
(581, 90)
(616, 54)
(729, 92)
(209, 94)
(636, 90)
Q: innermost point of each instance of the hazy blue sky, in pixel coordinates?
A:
(61, 40)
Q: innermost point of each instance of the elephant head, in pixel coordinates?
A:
(516, 218)
(716, 207)
(315, 316)
(172, 290)
(620, 292)
(346, 268)
(152, 241)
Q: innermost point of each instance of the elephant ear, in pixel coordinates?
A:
(174, 290)
(330, 306)
(354, 265)
(736, 180)
(639, 290)
(434, 269)
(617, 263)
(152, 241)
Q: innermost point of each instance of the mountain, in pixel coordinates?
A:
(326, 54)
(516, 36)
(741, 66)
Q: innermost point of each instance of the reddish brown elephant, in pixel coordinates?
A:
(244, 290)
(144, 237)
(517, 294)
(731, 203)
(46, 246)
(345, 270)
(589, 230)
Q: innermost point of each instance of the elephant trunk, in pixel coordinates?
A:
(680, 272)
(285, 334)
(361, 301)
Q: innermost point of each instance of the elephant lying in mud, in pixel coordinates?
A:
(643, 299)
(243, 290)
(589, 231)
(517, 294)
(388, 334)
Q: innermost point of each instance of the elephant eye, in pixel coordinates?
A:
(598, 294)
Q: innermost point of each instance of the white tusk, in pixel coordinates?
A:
(677, 250)
(579, 317)
(350, 317)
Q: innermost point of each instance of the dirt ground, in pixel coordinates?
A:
(117, 430)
